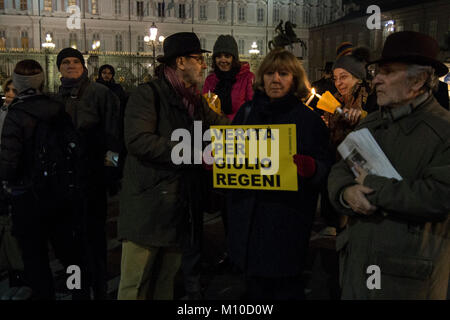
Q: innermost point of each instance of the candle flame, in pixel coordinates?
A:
(313, 91)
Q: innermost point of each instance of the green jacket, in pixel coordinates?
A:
(159, 200)
(408, 237)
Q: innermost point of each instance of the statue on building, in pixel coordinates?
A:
(286, 36)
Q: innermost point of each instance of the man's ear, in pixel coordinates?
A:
(180, 63)
(418, 83)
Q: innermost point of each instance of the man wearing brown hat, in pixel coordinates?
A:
(396, 244)
(160, 203)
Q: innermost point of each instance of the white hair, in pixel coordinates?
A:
(414, 72)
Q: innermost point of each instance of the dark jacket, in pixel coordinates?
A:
(441, 94)
(159, 198)
(16, 154)
(268, 231)
(408, 237)
(95, 113)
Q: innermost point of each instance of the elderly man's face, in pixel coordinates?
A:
(392, 85)
(194, 64)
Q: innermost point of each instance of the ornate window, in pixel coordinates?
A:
(161, 9)
(202, 15)
(241, 14)
(119, 46)
(182, 11)
(222, 13)
(276, 15)
(260, 13)
(140, 43)
(23, 5)
(73, 41)
(117, 7)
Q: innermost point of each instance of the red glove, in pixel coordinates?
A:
(306, 165)
(207, 167)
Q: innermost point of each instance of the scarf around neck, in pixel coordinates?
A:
(189, 96)
(224, 87)
(69, 83)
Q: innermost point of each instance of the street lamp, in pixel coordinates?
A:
(48, 46)
(254, 52)
(96, 45)
(151, 40)
(254, 49)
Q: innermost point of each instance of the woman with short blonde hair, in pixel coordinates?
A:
(280, 59)
(268, 231)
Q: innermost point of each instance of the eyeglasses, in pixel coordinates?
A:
(200, 59)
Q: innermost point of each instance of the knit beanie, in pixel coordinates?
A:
(354, 63)
(343, 49)
(66, 53)
(226, 44)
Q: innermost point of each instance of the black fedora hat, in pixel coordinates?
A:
(412, 47)
(180, 44)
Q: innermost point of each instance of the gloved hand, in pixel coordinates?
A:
(306, 165)
(205, 165)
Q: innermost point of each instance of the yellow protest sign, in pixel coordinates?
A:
(254, 157)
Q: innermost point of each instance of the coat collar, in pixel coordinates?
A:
(408, 114)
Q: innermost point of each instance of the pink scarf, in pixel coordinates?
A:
(190, 96)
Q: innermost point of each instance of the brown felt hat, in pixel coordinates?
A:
(412, 48)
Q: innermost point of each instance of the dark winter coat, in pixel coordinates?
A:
(268, 231)
(16, 154)
(159, 198)
(95, 113)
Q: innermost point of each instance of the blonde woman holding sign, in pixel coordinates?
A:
(268, 231)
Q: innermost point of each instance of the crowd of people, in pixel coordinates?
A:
(62, 154)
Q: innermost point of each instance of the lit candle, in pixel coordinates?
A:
(316, 94)
(313, 92)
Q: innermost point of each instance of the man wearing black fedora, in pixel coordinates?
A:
(396, 243)
(160, 203)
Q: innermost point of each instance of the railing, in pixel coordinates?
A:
(132, 68)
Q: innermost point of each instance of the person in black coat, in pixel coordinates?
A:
(113, 175)
(269, 230)
(35, 221)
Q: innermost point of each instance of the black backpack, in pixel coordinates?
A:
(56, 160)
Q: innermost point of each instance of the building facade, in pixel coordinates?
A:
(431, 17)
(121, 25)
